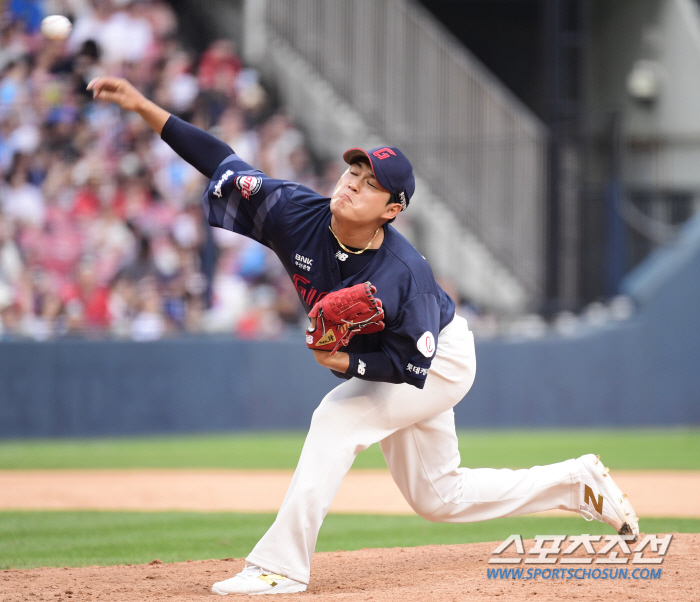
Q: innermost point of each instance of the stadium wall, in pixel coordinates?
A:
(643, 371)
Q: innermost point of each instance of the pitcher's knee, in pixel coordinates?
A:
(323, 413)
(430, 508)
(438, 515)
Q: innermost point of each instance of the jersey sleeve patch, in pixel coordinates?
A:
(244, 200)
(248, 185)
(426, 344)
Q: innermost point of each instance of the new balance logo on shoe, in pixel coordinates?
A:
(589, 498)
(253, 580)
(598, 486)
(272, 580)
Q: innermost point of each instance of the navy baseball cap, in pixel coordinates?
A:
(391, 169)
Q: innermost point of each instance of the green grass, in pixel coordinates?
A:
(33, 539)
(620, 449)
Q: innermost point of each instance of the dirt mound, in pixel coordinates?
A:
(440, 573)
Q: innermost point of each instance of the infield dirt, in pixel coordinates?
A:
(653, 493)
(435, 573)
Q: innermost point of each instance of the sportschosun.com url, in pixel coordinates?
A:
(565, 574)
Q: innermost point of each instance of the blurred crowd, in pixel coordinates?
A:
(101, 228)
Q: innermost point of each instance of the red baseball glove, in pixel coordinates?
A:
(341, 315)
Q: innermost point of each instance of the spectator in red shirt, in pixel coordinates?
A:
(219, 67)
(92, 296)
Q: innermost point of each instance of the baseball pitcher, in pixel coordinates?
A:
(380, 322)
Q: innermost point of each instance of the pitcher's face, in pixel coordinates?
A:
(359, 197)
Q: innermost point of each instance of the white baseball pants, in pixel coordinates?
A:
(417, 433)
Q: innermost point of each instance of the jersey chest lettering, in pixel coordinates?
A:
(306, 291)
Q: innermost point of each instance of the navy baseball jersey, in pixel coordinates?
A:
(293, 221)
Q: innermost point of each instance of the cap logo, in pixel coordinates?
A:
(383, 153)
(402, 200)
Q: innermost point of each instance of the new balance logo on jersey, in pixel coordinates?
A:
(220, 183)
(361, 367)
(341, 256)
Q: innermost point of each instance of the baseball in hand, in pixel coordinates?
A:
(56, 27)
